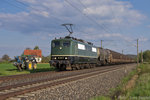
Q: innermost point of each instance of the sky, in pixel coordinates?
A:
(118, 23)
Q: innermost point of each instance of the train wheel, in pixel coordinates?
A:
(90, 65)
(94, 65)
(85, 66)
(68, 67)
(77, 66)
(81, 66)
(63, 67)
(73, 67)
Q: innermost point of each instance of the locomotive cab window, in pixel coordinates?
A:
(56, 43)
(66, 43)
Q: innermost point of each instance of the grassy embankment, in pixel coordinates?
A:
(135, 86)
(141, 89)
(8, 69)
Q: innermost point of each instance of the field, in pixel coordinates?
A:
(9, 69)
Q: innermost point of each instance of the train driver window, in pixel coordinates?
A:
(66, 43)
(56, 43)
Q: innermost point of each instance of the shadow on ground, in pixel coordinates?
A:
(33, 71)
(42, 70)
(11, 69)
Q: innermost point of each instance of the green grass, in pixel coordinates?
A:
(142, 87)
(8, 69)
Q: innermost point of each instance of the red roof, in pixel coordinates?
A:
(33, 52)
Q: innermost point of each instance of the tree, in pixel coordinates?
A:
(45, 59)
(36, 48)
(146, 56)
(5, 57)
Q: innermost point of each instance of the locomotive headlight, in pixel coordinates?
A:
(66, 57)
(54, 57)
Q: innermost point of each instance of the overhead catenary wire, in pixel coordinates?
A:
(13, 5)
(118, 26)
(26, 5)
(104, 24)
(91, 19)
(21, 2)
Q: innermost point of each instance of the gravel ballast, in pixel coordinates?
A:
(82, 89)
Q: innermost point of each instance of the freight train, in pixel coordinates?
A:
(70, 53)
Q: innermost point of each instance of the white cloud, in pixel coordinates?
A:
(42, 13)
(143, 39)
(113, 12)
(45, 17)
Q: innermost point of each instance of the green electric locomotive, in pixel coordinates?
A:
(71, 53)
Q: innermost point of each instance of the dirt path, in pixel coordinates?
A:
(130, 83)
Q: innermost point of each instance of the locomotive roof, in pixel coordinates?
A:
(80, 40)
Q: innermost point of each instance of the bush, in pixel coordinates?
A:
(45, 59)
(146, 56)
(5, 57)
(4, 62)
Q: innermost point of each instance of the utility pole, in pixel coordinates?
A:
(141, 57)
(122, 51)
(137, 53)
(101, 43)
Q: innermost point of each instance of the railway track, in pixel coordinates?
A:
(15, 90)
(18, 79)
